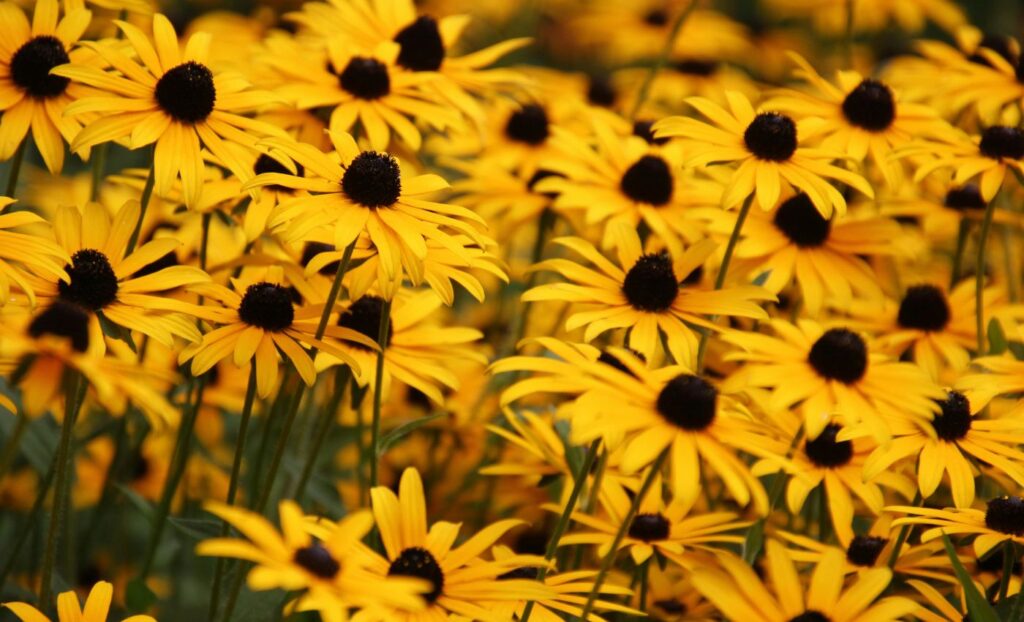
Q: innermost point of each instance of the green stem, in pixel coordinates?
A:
(147, 193)
(378, 391)
(332, 296)
(1009, 557)
(901, 539)
(850, 50)
(30, 522)
(75, 394)
(958, 255)
(723, 271)
(236, 470)
(642, 570)
(1009, 265)
(99, 165)
(666, 51)
(341, 378)
(609, 558)
(182, 447)
(15, 171)
(11, 446)
(579, 479)
(979, 276)
(774, 495)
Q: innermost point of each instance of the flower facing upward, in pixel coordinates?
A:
(354, 191)
(30, 96)
(69, 609)
(172, 99)
(766, 149)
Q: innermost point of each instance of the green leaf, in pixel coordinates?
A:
(196, 528)
(761, 278)
(996, 337)
(978, 608)
(138, 596)
(753, 542)
(398, 433)
(143, 506)
(115, 331)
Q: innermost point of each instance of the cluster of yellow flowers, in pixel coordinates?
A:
(331, 311)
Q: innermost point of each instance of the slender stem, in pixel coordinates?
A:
(378, 390)
(121, 450)
(902, 537)
(579, 479)
(850, 55)
(204, 242)
(75, 393)
(236, 469)
(1016, 614)
(147, 193)
(609, 558)
(958, 255)
(327, 416)
(1009, 557)
(643, 570)
(11, 446)
(723, 270)
(774, 495)
(332, 296)
(1010, 264)
(15, 171)
(99, 165)
(979, 276)
(666, 51)
(182, 448)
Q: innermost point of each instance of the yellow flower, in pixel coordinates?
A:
(69, 609)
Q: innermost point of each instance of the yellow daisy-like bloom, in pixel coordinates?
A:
(172, 99)
(63, 337)
(416, 350)
(459, 578)
(765, 148)
(993, 87)
(740, 595)
(831, 16)
(937, 330)
(332, 573)
(626, 180)
(128, 290)
(957, 440)
(668, 529)
(826, 257)
(366, 86)
(646, 292)
(832, 372)
(999, 375)
(857, 117)
(261, 323)
(647, 411)
(69, 609)
(366, 191)
(425, 45)
(569, 593)
(999, 522)
(24, 251)
(836, 466)
(990, 156)
(504, 198)
(30, 97)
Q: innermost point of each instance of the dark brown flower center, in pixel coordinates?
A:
(93, 282)
(187, 93)
(870, 106)
(771, 136)
(421, 564)
(801, 222)
(373, 180)
(839, 354)
(63, 319)
(31, 65)
(688, 402)
(651, 284)
(365, 78)
(268, 306)
(825, 451)
(421, 46)
(648, 180)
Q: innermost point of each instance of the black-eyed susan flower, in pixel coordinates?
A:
(425, 44)
(996, 375)
(21, 251)
(836, 466)
(172, 99)
(765, 148)
(257, 322)
(832, 372)
(826, 257)
(958, 439)
(832, 16)
(417, 352)
(626, 180)
(331, 571)
(70, 609)
(460, 580)
(30, 96)
(357, 191)
(106, 279)
(645, 292)
(1002, 520)
(672, 529)
(988, 156)
(356, 84)
(739, 594)
(857, 116)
